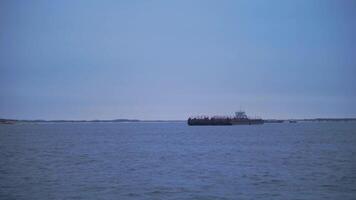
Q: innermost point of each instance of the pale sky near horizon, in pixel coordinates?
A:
(173, 59)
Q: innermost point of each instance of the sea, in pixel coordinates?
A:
(170, 160)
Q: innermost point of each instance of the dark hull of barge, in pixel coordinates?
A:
(227, 122)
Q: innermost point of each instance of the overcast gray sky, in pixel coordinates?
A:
(172, 59)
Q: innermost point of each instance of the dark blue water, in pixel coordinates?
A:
(174, 161)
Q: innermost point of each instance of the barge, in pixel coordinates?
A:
(240, 118)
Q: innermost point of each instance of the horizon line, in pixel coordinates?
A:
(153, 120)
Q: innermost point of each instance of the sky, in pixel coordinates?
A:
(174, 59)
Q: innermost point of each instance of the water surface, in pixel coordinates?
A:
(175, 161)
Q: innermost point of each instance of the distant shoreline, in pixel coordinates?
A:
(309, 120)
(13, 121)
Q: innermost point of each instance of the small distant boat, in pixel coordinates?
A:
(239, 119)
(292, 121)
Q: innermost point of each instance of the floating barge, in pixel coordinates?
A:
(239, 119)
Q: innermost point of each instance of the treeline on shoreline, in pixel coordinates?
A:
(12, 121)
(309, 120)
